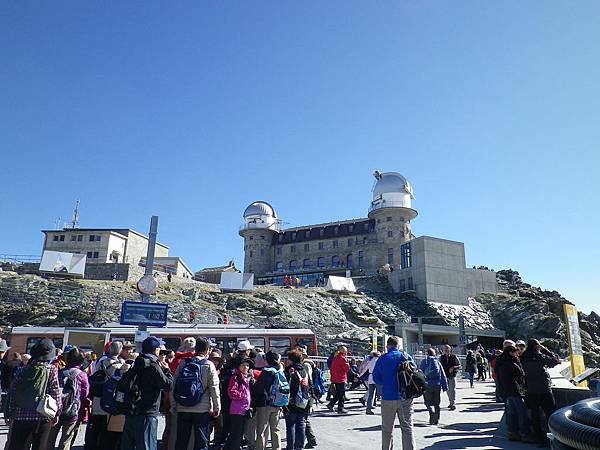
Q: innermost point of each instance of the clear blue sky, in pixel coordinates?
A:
(191, 110)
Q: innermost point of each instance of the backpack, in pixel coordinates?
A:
(318, 383)
(107, 400)
(127, 393)
(188, 390)
(411, 382)
(30, 387)
(71, 395)
(98, 378)
(280, 389)
(302, 397)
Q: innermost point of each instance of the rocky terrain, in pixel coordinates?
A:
(521, 310)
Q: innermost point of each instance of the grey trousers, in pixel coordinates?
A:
(452, 391)
(69, 432)
(390, 409)
(267, 419)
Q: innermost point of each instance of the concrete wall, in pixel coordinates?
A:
(137, 247)
(82, 246)
(479, 281)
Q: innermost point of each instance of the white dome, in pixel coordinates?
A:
(391, 183)
(260, 209)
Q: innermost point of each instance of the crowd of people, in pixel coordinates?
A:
(234, 401)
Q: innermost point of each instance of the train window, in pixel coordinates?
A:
(255, 341)
(172, 343)
(280, 345)
(58, 342)
(308, 343)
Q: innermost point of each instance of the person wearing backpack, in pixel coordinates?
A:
(75, 390)
(97, 437)
(299, 406)
(393, 399)
(196, 397)
(239, 393)
(270, 393)
(146, 381)
(436, 382)
(35, 388)
(470, 366)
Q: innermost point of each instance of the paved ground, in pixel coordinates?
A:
(472, 426)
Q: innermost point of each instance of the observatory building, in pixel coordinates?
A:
(382, 242)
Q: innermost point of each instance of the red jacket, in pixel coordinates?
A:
(179, 356)
(339, 369)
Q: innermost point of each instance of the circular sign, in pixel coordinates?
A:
(147, 285)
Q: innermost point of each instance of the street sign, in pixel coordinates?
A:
(146, 314)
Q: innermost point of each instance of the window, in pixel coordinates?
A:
(405, 257)
(309, 343)
(349, 242)
(278, 251)
(335, 261)
(335, 243)
(279, 266)
(79, 237)
(280, 345)
(402, 285)
(58, 342)
(98, 238)
(92, 238)
(350, 228)
(390, 233)
(390, 256)
(307, 264)
(256, 341)
(361, 260)
(320, 261)
(95, 255)
(349, 261)
(55, 238)
(388, 219)
(410, 284)
(322, 232)
(292, 249)
(262, 238)
(321, 245)
(293, 264)
(294, 236)
(73, 237)
(251, 254)
(89, 254)
(62, 238)
(306, 247)
(251, 238)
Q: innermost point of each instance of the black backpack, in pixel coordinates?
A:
(97, 380)
(411, 381)
(127, 393)
(71, 401)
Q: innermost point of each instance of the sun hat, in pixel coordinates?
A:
(244, 345)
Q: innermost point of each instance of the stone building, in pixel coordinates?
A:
(213, 274)
(380, 242)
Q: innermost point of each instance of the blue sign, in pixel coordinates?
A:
(149, 314)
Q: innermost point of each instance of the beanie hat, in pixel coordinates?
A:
(188, 345)
(43, 350)
(150, 344)
(115, 348)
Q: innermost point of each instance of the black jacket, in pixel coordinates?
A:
(510, 376)
(537, 378)
(152, 380)
(295, 385)
(449, 362)
(261, 390)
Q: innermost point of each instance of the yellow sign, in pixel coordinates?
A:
(374, 341)
(574, 336)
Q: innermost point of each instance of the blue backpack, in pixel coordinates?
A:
(109, 388)
(318, 383)
(188, 388)
(280, 389)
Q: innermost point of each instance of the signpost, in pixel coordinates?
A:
(575, 349)
(462, 335)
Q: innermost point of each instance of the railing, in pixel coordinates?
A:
(19, 259)
(260, 226)
(388, 204)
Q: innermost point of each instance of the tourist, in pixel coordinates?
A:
(300, 401)
(194, 419)
(511, 380)
(451, 366)
(27, 388)
(339, 377)
(265, 401)
(470, 364)
(521, 346)
(152, 378)
(368, 369)
(97, 436)
(536, 360)
(393, 401)
(186, 350)
(127, 354)
(239, 394)
(480, 359)
(76, 388)
(436, 382)
(310, 367)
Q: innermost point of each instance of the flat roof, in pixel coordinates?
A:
(123, 231)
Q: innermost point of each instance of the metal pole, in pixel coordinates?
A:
(150, 258)
(420, 332)
(97, 312)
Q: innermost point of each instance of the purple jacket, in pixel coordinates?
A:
(239, 393)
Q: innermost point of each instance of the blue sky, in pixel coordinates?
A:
(192, 110)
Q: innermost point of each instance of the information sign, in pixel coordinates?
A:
(148, 314)
(576, 351)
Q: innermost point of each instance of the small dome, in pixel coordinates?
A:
(391, 182)
(260, 209)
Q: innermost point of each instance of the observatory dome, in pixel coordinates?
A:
(391, 183)
(260, 209)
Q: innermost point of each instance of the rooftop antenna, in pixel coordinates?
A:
(57, 223)
(75, 218)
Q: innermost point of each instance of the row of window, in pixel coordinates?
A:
(76, 238)
(321, 245)
(389, 219)
(336, 230)
(321, 263)
(92, 255)
(404, 283)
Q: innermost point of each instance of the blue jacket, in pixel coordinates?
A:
(386, 373)
(434, 372)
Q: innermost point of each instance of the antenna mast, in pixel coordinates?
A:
(75, 219)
